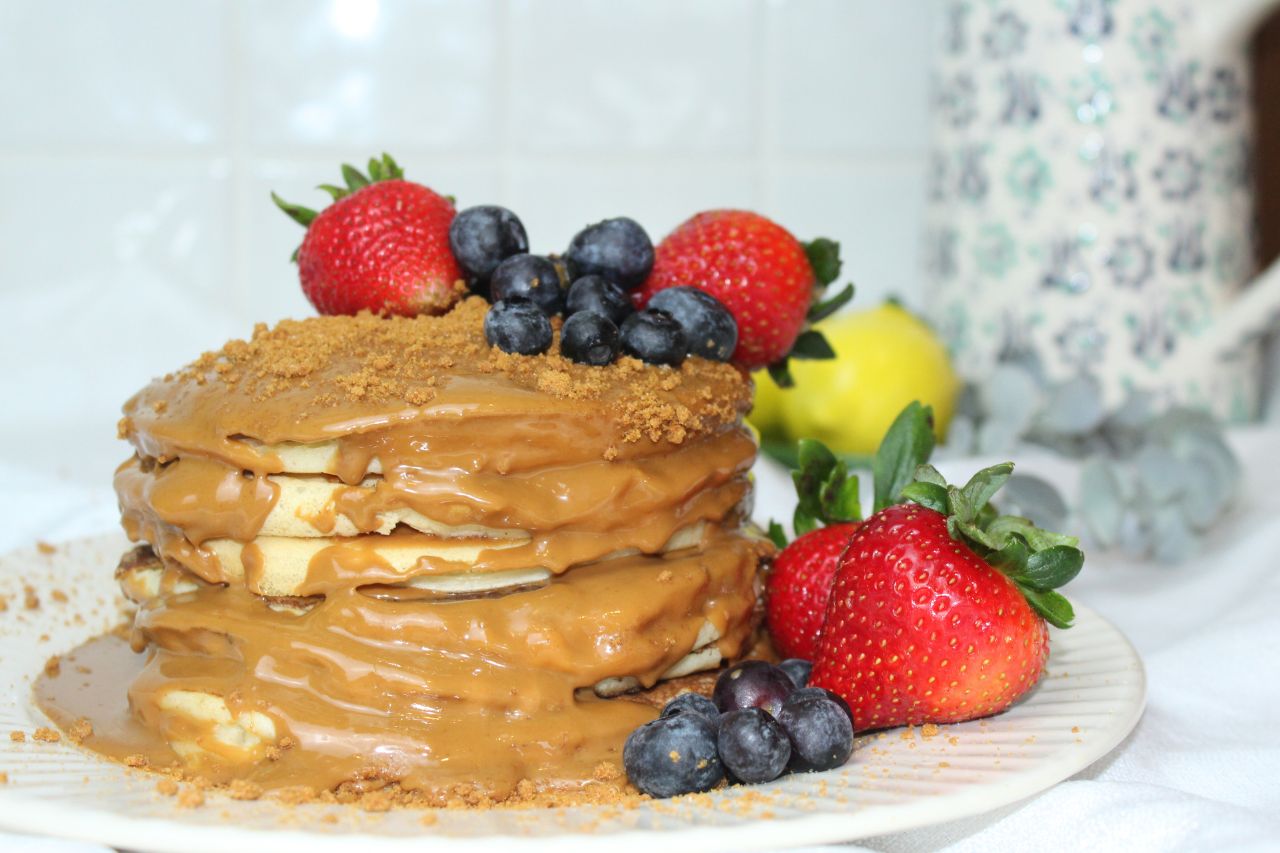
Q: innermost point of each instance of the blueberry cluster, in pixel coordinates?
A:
(590, 286)
(761, 721)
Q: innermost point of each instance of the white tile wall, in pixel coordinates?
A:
(139, 140)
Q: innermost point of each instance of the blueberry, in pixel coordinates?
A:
(797, 669)
(617, 249)
(820, 728)
(589, 338)
(598, 294)
(708, 326)
(483, 237)
(531, 277)
(752, 684)
(673, 755)
(519, 326)
(692, 703)
(834, 697)
(653, 337)
(753, 747)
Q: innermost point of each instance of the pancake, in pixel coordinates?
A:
(377, 550)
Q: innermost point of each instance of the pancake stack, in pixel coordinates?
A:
(375, 550)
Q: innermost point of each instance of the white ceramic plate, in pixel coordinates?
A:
(897, 780)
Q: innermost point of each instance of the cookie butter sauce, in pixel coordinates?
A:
(272, 648)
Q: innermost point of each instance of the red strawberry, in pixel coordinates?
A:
(799, 585)
(383, 245)
(935, 614)
(764, 276)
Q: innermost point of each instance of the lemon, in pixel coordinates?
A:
(766, 411)
(885, 358)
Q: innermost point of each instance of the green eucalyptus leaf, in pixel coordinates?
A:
(905, 447)
(1052, 568)
(1055, 609)
(928, 495)
(824, 257)
(811, 345)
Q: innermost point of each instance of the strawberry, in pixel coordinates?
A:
(765, 277)
(799, 582)
(799, 585)
(382, 246)
(937, 613)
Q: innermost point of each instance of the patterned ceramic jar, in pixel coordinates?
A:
(1090, 199)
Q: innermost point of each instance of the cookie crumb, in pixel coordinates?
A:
(59, 596)
(241, 789)
(665, 576)
(31, 601)
(80, 730)
(17, 736)
(929, 730)
(191, 797)
(4, 778)
(53, 667)
(45, 548)
(136, 760)
(430, 819)
(1075, 730)
(44, 734)
(607, 771)
(167, 787)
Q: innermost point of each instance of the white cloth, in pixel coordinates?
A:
(1202, 769)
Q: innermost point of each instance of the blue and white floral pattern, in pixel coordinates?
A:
(1090, 189)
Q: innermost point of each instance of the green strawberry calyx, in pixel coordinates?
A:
(1038, 561)
(380, 169)
(829, 494)
(824, 259)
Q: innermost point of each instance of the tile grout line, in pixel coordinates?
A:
(504, 44)
(236, 89)
(766, 110)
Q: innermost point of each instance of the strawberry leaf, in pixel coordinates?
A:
(304, 216)
(392, 168)
(928, 474)
(1036, 537)
(822, 310)
(777, 535)
(983, 486)
(840, 498)
(354, 179)
(904, 448)
(812, 345)
(1051, 568)
(824, 257)
(780, 373)
(335, 193)
(375, 170)
(929, 495)
(1055, 609)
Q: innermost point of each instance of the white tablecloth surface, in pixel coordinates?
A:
(1202, 769)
